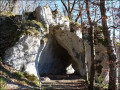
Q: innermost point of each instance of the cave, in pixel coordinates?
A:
(55, 59)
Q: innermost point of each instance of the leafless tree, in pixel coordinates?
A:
(110, 48)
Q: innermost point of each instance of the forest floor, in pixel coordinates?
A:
(11, 79)
(66, 82)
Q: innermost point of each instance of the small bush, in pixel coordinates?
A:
(100, 79)
(100, 84)
(2, 84)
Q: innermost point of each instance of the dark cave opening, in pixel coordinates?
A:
(56, 60)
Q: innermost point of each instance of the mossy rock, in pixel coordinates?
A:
(74, 23)
(30, 77)
(6, 14)
(32, 32)
(11, 29)
(74, 26)
(66, 17)
(40, 24)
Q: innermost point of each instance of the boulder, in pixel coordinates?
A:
(24, 54)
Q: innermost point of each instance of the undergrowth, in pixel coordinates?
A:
(2, 84)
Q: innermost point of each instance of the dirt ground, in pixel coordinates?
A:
(49, 82)
(66, 82)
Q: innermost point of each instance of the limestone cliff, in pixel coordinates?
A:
(56, 52)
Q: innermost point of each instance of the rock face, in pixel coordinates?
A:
(62, 49)
(44, 15)
(24, 54)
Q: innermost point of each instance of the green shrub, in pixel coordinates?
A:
(100, 79)
(18, 75)
(100, 84)
(2, 84)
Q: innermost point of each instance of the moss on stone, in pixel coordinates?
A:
(32, 32)
(74, 23)
(66, 17)
(45, 6)
(74, 26)
(12, 28)
(6, 14)
(30, 77)
(40, 24)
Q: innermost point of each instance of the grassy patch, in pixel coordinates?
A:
(18, 75)
(104, 86)
(32, 78)
(100, 84)
(2, 83)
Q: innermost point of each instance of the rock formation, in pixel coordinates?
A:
(54, 55)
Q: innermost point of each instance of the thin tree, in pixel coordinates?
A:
(91, 30)
(110, 48)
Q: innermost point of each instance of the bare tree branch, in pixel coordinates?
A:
(73, 5)
(64, 5)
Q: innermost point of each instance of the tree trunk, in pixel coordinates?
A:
(113, 27)
(92, 69)
(110, 48)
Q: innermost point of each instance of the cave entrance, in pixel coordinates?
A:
(55, 60)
